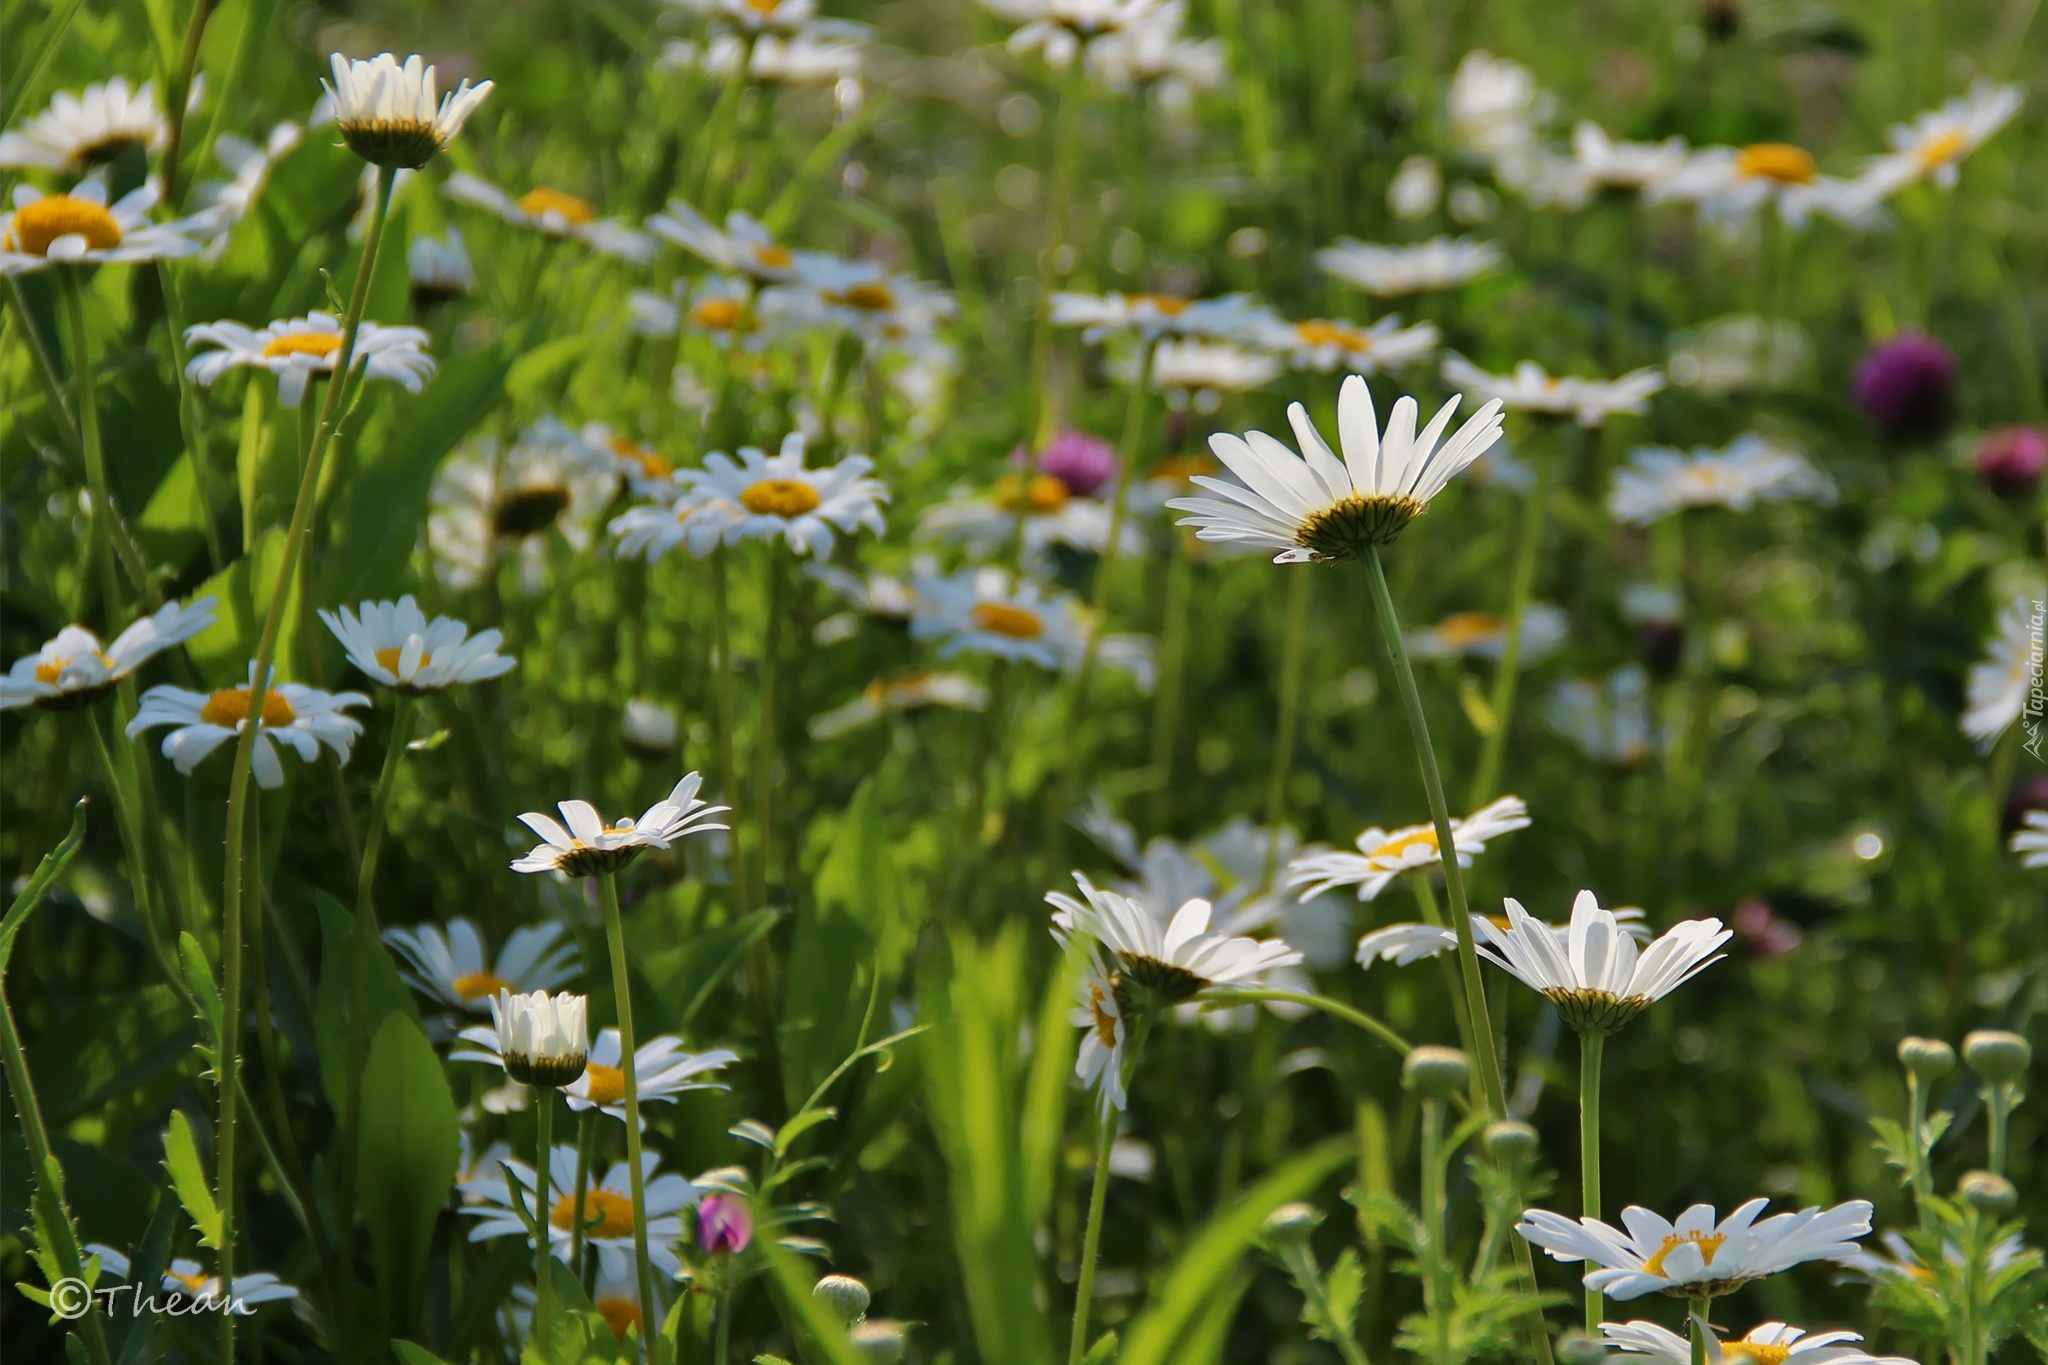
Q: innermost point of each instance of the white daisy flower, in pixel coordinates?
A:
(1773, 1343)
(1151, 53)
(649, 727)
(539, 1039)
(607, 1204)
(1899, 1261)
(1100, 1062)
(1324, 345)
(863, 297)
(755, 15)
(1384, 854)
(1934, 145)
(1314, 507)
(389, 115)
(2030, 841)
(440, 269)
(79, 228)
(1057, 28)
(886, 596)
(249, 167)
(715, 305)
(1403, 944)
(72, 669)
(484, 506)
(1154, 315)
(1608, 163)
(662, 1070)
(907, 692)
(1416, 188)
(985, 523)
(87, 129)
(395, 644)
(1696, 1257)
(1609, 718)
(1176, 958)
(1731, 185)
(759, 497)
(589, 847)
(189, 1278)
(1659, 481)
(1390, 271)
(449, 963)
(298, 349)
(1479, 634)
(1596, 976)
(1741, 351)
(1494, 105)
(1529, 389)
(553, 213)
(982, 611)
(647, 472)
(1997, 688)
(1204, 371)
(742, 247)
(302, 718)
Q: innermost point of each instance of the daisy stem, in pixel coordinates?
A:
(622, 988)
(46, 367)
(1059, 200)
(764, 736)
(238, 782)
(1700, 1329)
(586, 1137)
(1436, 1288)
(1591, 1044)
(89, 445)
(1998, 1103)
(1098, 1196)
(1425, 897)
(544, 1151)
(1922, 1176)
(721, 1326)
(1336, 1009)
(1292, 653)
(721, 630)
(1520, 583)
(1173, 638)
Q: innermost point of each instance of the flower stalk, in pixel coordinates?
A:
(1591, 1044)
(1098, 1196)
(1521, 582)
(622, 988)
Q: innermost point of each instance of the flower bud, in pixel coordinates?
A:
(879, 1340)
(1907, 385)
(1927, 1058)
(725, 1225)
(1291, 1224)
(1576, 1348)
(542, 1039)
(1510, 1140)
(1436, 1073)
(844, 1295)
(1987, 1193)
(2011, 461)
(1997, 1054)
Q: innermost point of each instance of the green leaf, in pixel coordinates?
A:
(1103, 1351)
(188, 1178)
(147, 1266)
(35, 56)
(1049, 1083)
(684, 977)
(860, 879)
(813, 1321)
(1212, 1257)
(801, 1124)
(47, 871)
(409, 1353)
(1343, 1288)
(199, 980)
(386, 994)
(406, 1161)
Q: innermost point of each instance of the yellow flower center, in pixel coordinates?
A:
(718, 315)
(773, 257)
(194, 1283)
(1779, 161)
(475, 985)
(1105, 1021)
(1942, 148)
(1467, 628)
(1401, 843)
(619, 1312)
(1171, 305)
(780, 498)
(613, 1214)
(229, 707)
(1332, 334)
(541, 200)
(302, 343)
(1000, 618)
(1707, 1242)
(1756, 1352)
(49, 670)
(763, 6)
(1044, 493)
(607, 1084)
(869, 298)
(652, 466)
(37, 225)
(388, 658)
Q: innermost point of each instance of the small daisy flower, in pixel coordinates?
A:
(1152, 54)
(72, 669)
(388, 114)
(440, 269)
(864, 298)
(1731, 185)
(1313, 507)
(1997, 688)
(1494, 105)
(1596, 976)
(1608, 163)
(1403, 944)
(887, 597)
(1774, 1343)
(1100, 1063)
(755, 15)
(715, 305)
(1608, 718)
(1201, 372)
(1154, 315)
(297, 350)
(553, 213)
(1659, 481)
(450, 965)
(1741, 351)
(301, 718)
(1482, 635)
(987, 522)
(1176, 959)
(1323, 345)
(1899, 1261)
(79, 228)
(1384, 855)
(662, 1070)
(1934, 145)
(607, 1204)
(647, 472)
(395, 644)
(588, 847)
(742, 247)
(982, 611)
(484, 506)
(87, 129)
(1696, 1257)
(1056, 29)
(759, 497)
(539, 1039)
(1529, 389)
(189, 1278)
(1391, 271)
(649, 728)
(908, 692)
(2031, 840)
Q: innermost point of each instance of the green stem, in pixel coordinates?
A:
(622, 987)
(1336, 1009)
(721, 630)
(1520, 583)
(47, 378)
(1590, 1047)
(240, 774)
(1998, 1101)
(1436, 1289)
(1173, 639)
(544, 1151)
(1923, 1176)
(1700, 1329)
(177, 91)
(1098, 1196)
(1066, 136)
(1292, 652)
(721, 1326)
(586, 1138)
(95, 456)
(764, 735)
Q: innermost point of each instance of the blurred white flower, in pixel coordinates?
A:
(904, 692)
(1934, 145)
(79, 228)
(649, 727)
(1390, 271)
(1998, 688)
(1608, 163)
(1529, 389)
(1739, 352)
(1696, 1257)
(1659, 481)
(72, 669)
(486, 505)
(89, 128)
(440, 268)
(554, 213)
(1416, 188)
(1480, 634)
(449, 962)
(1325, 345)
(1608, 718)
(2030, 841)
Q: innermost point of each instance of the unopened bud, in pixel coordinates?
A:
(1987, 1193)
(844, 1295)
(1436, 1073)
(1928, 1058)
(879, 1340)
(1291, 1224)
(1996, 1054)
(1510, 1140)
(1576, 1348)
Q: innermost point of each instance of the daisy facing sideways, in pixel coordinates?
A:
(1595, 974)
(72, 669)
(395, 644)
(553, 213)
(1390, 271)
(606, 1206)
(80, 228)
(1325, 345)
(1774, 1343)
(1385, 854)
(1175, 959)
(1934, 145)
(452, 966)
(297, 350)
(1998, 686)
(984, 611)
(759, 497)
(1530, 389)
(391, 114)
(1482, 635)
(1313, 507)
(589, 847)
(662, 1070)
(301, 718)
(190, 1279)
(1695, 1257)
(89, 128)
(1402, 944)
(487, 506)
(1100, 1061)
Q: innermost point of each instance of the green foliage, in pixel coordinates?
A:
(189, 1179)
(408, 1160)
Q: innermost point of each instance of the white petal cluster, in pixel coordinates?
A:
(583, 845)
(1177, 958)
(542, 1039)
(72, 669)
(2000, 686)
(81, 228)
(1597, 976)
(391, 115)
(1659, 481)
(300, 718)
(297, 350)
(1391, 271)
(1695, 1257)
(395, 643)
(759, 497)
(1530, 389)
(87, 129)
(1384, 854)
